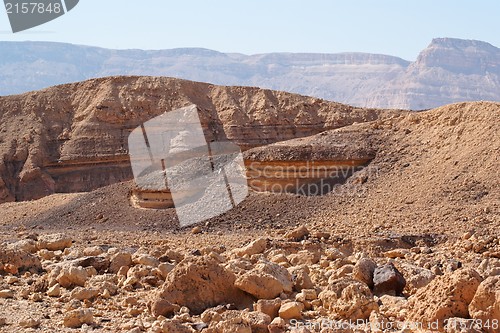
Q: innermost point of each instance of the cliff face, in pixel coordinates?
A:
(447, 71)
(73, 137)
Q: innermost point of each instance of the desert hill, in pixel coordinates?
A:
(73, 137)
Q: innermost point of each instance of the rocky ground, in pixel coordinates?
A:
(411, 240)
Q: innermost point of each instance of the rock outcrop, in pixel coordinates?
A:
(73, 138)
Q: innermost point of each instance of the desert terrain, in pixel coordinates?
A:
(408, 242)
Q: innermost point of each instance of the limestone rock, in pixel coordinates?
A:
(76, 318)
(269, 307)
(6, 293)
(199, 283)
(70, 276)
(298, 233)
(14, 261)
(445, 297)
(301, 278)
(81, 294)
(348, 298)
(54, 242)
(363, 271)
(267, 280)
(416, 277)
(255, 247)
(118, 260)
(29, 323)
(291, 310)
(258, 321)
(485, 305)
(146, 260)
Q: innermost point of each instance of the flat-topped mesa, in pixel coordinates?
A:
(308, 166)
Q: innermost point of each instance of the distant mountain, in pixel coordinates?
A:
(448, 70)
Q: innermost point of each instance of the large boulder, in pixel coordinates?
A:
(197, 283)
(446, 297)
(485, 306)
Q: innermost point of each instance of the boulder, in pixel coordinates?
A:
(363, 271)
(267, 280)
(447, 296)
(485, 306)
(388, 280)
(54, 242)
(348, 298)
(198, 283)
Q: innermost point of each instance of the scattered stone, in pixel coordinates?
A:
(485, 306)
(388, 280)
(393, 307)
(255, 247)
(277, 325)
(416, 277)
(300, 278)
(72, 276)
(170, 326)
(348, 299)
(297, 234)
(93, 251)
(54, 291)
(11, 280)
(29, 323)
(196, 230)
(397, 253)
(258, 321)
(234, 325)
(54, 242)
(445, 297)
(14, 261)
(6, 293)
(363, 271)
(267, 280)
(146, 260)
(291, 310)
(304, 257)
(81, 294)
(269, 307)
(101, 264)
(76, 318)
(120, 260)
(26, 245)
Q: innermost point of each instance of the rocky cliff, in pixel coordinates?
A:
(448, 70)
(73, 138)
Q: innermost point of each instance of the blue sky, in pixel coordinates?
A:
(396, 27)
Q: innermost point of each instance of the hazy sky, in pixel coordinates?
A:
(396, 27)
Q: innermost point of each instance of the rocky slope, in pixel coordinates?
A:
(73, 138)
(447, 71)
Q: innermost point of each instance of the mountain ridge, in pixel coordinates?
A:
(449, 70)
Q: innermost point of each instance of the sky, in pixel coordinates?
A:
(395, 27)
